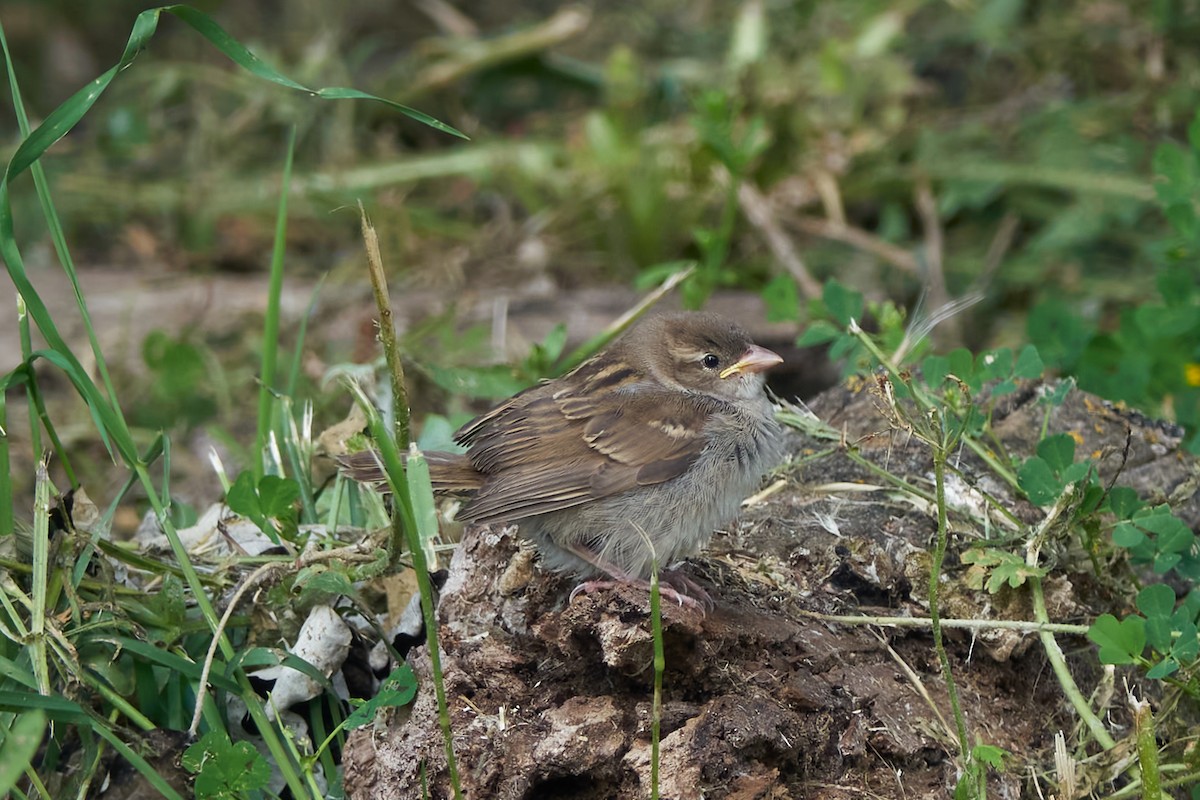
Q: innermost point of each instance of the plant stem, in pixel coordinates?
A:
(37, 588)
(935, 572)
(387, 330)
(1147, 749)
(660, 662)
(969, 624)
(1054, 653)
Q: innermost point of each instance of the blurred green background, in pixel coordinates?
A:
(1032, 157)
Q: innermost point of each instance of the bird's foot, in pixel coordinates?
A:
(693, 597)
(683, 585)
(673, 584)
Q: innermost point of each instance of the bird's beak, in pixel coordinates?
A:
(755, 359)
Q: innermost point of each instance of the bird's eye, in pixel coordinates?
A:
(711, 362)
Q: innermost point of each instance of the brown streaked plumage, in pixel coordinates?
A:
(640, 452)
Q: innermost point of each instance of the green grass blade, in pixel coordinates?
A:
(60, 121)
(420, 492)
(233, 49)
(20, 743)
(56, 708)
(7, 515)
(271, 320)
(140, 764)
(14, 672)
(175, 663)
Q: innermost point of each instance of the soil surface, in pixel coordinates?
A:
(551, 697)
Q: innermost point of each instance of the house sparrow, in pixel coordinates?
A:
(640, 453)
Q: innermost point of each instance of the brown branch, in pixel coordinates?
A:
(856, 237)
(758, 212)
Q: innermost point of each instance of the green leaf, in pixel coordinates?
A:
(990, 754)
(320, 583)
(1158, 633)
(398, 689)
(1037, 481)
(1191, 604)
(1187, 646)
(935, 369)
(278, 496)
(1163, 669)
(1179, 540)
(818, 332)
(1177, 285)
(994, 364)
(1124, 502)
(1127, 535)
(1177, 167)
(1058, 451)
(1058, 395)
(1075, 472)
(1165, 562)
(273, 498)
(437, 433)
(1090, 501)
(1157, 600)
(242, 499)
(1005, 568)
(962, 365)
(843, 304)
(1029, 363)
(1159, 520)
(225, 770)
(1121, 642)
(554, 342)
(1007, 386)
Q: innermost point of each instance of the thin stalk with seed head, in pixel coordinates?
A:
(927, 405)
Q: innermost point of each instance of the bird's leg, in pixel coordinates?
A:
(692, 594)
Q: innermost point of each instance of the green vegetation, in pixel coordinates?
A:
(881, 173)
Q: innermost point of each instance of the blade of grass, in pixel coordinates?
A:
(19, 746)
(140, 764)
(271, 320)
(60, 121)
(297, 451)
(7, 499)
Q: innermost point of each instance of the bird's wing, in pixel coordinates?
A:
(562, 445)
